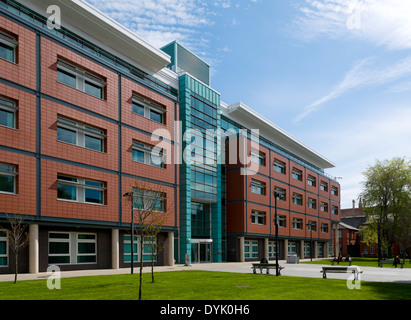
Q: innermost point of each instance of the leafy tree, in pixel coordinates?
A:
(386, 200)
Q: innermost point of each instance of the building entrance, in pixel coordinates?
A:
(201, 250)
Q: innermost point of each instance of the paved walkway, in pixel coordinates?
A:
(385, 274)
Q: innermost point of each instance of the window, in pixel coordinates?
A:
(312, 203)
(8, 45)
(279, 166)
(272, 249)
(257, 187)
(281, 221)
(307, 249)
(258, 217)
(148, 109)
(72, 248)
(149, 249)
(80, 79)
(258, 157)
(297, 223)
(311, 181)
(281, 193)
(148, 155)
(250, 249)
(80, 134)
(324, 207)
(334, 191)
(292, 247)
(324, 227)
(80, 190)
(324, 186)
(334, 210)
(8, 176)
(297, 174)
(297, 199)
(149, 200)
(312, 226)
(8, 113)
(4, 248)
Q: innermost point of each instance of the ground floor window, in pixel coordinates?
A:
(250, 249)
(272, 250)
(307, 249)
(4, 245)
(72, 248)
(149, 249)
(292, 247)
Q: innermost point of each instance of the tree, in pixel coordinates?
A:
(150, 208)
(386, 199)
(18, 238)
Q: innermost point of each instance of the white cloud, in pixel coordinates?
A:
(363, 74)
(384, 23)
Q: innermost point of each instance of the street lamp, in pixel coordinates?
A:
(276, 195)
(131, 195)
(311, 239)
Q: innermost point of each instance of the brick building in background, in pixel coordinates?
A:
(78, 106)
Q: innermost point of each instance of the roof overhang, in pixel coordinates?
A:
(83, 16)
(246, 116)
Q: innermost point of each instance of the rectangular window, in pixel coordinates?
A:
(8, 45)
(72, 248)
(258, 217)
(8, 177)
(258, 157)
(80, 134)
(279, 166)
(281, 193)
(148, 200)
(311, 181)
(272, 249)
(324, 227)
(307, 249)
(334, 210)
(324, 207)
(281, 221)
(8, 113)
(148, 109)
(79, 79)
(297, 174)
(292, 247)
(312, 203)
(297, 199)
(312, 226)
(80, 190)
(297, 223)
(4, 248)
(334, 191)
(257, 187)
(324, 186)
(250, 249)
(148, 155)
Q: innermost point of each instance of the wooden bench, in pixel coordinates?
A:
(267, 266)
(340, 269)
(382, 262)
(338, 262)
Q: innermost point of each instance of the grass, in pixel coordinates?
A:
(203, 285)
(361, 262)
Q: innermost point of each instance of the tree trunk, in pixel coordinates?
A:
(16, 268)
(141, 265)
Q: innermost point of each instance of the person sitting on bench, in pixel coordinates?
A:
(348, 258)
(396, 261)
(263, 260)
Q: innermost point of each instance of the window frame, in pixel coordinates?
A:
(6, 240)
(148, 152)
(324, 207)
(148, 107)
(261, 185)
(312, 203)
(311, 181)
(324, 227)
(82, 77)
(297, 199)
(158, 196)
(9, 41)
(81, 188)
(13, 109)
(297, 174)
(297, 224)
(258, 217)
(82, 131)
(7, 173)
(280, 166)
(258, 157)
(324, 186)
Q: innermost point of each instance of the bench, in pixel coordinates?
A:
(267, 266)
(338, 262)
(382, 262)
(340, 269)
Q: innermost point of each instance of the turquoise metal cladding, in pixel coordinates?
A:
(189, 87)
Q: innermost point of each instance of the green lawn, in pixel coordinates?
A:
(203, 285)
(361, 262)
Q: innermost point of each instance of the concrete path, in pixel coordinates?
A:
(385, 274)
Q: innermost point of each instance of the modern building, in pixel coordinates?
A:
(79, 103)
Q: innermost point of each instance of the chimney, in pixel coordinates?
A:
(353, 204)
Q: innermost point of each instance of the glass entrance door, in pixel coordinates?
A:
(201, 252)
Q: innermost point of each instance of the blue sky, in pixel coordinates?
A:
(335, 74)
